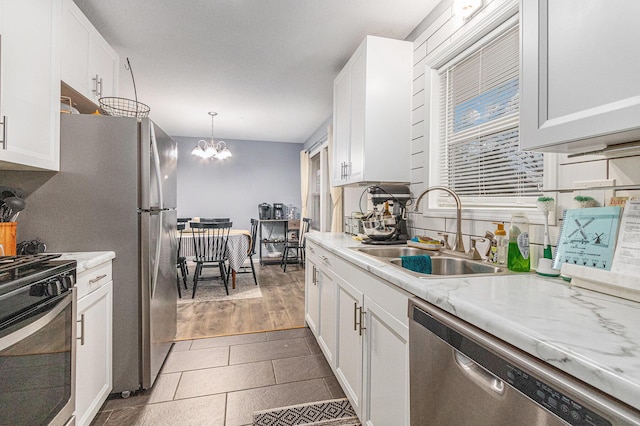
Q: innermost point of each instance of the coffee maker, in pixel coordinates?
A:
(264, 211)
(278, 211)
(399, 195)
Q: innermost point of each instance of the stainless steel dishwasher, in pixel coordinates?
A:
(460, 375)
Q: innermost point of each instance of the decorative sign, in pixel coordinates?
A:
(588, 237)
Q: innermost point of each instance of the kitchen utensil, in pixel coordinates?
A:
(6, 191)
(15, 205)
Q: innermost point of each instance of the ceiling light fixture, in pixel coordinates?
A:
(211, 149)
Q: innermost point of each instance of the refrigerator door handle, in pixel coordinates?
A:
(156, 162)
(156, 263)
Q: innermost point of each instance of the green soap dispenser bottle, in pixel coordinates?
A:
(518, 252)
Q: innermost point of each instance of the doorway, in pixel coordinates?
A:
(319, 194)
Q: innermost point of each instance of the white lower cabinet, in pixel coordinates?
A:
(312, 297)
(94, 379)
(327, 335)
(320, 301)
(348, 366)
(386, 368)
(371, 353)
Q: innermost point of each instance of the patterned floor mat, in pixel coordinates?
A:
(326, 413)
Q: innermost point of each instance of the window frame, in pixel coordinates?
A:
(438, 203)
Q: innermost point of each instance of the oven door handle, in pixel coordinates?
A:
(62, 302)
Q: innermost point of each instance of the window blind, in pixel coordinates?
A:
(479, 103)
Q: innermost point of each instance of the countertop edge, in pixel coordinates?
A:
(88, 259)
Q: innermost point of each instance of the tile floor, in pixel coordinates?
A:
(223, 380)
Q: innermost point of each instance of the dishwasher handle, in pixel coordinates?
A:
(477, 374)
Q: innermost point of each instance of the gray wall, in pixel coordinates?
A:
(257, 172)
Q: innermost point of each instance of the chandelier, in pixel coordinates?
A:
(211, 149)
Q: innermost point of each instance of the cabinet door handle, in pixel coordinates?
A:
(4, 131)
(96, 279)
(95, 85)
(325, 258)
(99, 84)
(355, 316)
(315, 276)
(311, 249)
(81, 337)
(362, 312)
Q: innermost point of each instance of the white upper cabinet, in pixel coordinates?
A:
(30, 84)
(579, 74)
(89, 64)
(372, 114)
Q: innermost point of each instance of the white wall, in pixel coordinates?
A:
(257, 172)
(442, 26)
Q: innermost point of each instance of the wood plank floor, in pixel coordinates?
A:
(280, 307)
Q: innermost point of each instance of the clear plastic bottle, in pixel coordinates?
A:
(502, 244)
(518, 251)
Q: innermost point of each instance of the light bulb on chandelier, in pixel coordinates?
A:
(211, 149)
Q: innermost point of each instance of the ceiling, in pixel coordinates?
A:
(265, 66)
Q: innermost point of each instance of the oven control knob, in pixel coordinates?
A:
(54, 287)
(69, 281)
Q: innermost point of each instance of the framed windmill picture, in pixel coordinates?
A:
(588, 237)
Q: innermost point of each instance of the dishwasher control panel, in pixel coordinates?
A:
(556, 402)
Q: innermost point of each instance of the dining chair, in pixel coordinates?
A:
(210, 248)
(295, 245)
(252, 250)
(252, 247)
(181, 261)
(215, 219)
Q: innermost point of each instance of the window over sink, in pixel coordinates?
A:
(475, 102)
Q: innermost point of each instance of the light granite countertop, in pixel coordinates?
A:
(589, 335)
(88, 259)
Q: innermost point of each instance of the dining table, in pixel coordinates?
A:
(238, 247)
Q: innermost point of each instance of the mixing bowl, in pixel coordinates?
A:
(379, 229)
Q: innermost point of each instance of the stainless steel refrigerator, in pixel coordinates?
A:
(116, 190)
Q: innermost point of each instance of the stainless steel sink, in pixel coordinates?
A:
(442, 264)
(445, 265)
(394, 251)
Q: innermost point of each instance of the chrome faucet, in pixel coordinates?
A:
(459, 245)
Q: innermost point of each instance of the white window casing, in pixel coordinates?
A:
(472, 106)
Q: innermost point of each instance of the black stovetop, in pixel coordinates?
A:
(18, 271)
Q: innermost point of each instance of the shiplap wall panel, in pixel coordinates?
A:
(444, 29)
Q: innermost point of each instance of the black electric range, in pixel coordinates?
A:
(45, 274)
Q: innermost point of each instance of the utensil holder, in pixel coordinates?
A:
(8, 237)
